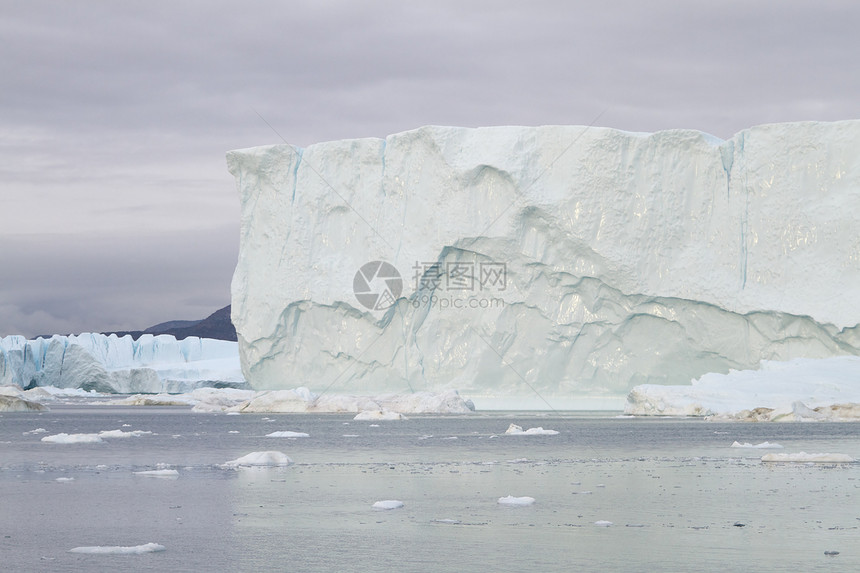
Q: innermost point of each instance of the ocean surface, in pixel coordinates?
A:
(678, 496)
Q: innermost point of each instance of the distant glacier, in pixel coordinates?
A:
(556, 264)
(112, 364)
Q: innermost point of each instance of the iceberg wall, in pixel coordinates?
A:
(558, 262)
(122, 365)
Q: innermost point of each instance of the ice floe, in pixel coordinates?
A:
(261, 459)
(122, 434)
(388, 504)
(288, 434)
(516, 501)
(763, 445)
(803, 457)
(514, 430)
(119, 550)
(603, 523)
(63, 438)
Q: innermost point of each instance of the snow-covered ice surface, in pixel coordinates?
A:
(120, 365)
(797, 390)
(626, 258)
(673, 488)
(119, 549)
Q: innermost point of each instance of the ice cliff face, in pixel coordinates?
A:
(119, 365)
(560, 262)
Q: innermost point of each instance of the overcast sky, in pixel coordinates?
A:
(116, 208)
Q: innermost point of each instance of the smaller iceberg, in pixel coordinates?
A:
(119, 550)
(261, 459)
(514, 430)
(387, 504)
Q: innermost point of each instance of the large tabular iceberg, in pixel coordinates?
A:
(119, 364)
(564, 263)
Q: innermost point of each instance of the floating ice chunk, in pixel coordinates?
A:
(514, 430)
(119, 550)
(159, 473)
(64, 479)
(388, 504)
(263, 459)
(447, 521)
(518, 501)
(288, 434)
(763, 445)
(64, 438)
(121, 434)
(378, 415)
(804, 457)
(15, 404)
(602, 523)
(36, 431)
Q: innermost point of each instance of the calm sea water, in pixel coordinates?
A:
(675, 492)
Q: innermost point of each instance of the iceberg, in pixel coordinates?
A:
(111, 364)
(565, 263)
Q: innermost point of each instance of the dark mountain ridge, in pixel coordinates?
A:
(217, 325)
